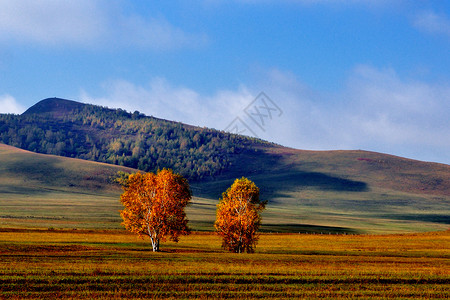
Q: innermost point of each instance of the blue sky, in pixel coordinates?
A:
(355, 74)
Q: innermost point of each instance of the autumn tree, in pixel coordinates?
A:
(238, 216)
(154, 205)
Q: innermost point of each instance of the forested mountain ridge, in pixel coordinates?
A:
(72, 129)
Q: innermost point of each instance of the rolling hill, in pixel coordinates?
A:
(71, 129)
(40, 190)
(357, 190)
(320, 191)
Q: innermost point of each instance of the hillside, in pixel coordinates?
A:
(345, 190)
(22, 171)
(67, 128)
(352, 191)
(52, 191)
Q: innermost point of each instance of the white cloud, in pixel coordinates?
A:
(433, 23)
(399, 111)
(9, 105)
(377, 111)
(88, 23)
(155, 33)
(161, 99)
(51, 21)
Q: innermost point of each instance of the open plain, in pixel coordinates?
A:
(113, 264)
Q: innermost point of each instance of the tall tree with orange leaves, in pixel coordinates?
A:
(154, 205)
(238, 216)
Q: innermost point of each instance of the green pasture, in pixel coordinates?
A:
(59, 209)
(45, 191)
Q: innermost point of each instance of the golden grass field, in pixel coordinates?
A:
(95, 264)
(42, 256)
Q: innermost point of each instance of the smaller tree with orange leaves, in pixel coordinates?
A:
(238, 216)
(154, 205)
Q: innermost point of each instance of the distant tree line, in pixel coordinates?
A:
(118, 137)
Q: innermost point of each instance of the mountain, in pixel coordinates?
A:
(68, 128)
(345, 191)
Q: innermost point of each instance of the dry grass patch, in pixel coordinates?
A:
(87, 264)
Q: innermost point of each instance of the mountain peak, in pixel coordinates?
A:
(55, 105)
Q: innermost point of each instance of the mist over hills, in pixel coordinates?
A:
(361, 190)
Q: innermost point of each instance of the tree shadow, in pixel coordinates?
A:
(306, 229)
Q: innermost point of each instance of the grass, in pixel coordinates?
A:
(93, 264)
(332, 194)
(344, 191)
(322, 192)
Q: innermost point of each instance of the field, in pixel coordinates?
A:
(112, 264)
(307, 192)
(67, 241)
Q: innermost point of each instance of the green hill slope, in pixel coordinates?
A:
(51, 191)
(67, 128)
(307, 192)
(344, 190)
(322, 191)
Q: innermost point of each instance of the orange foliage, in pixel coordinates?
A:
(154, 205)
(238, 216)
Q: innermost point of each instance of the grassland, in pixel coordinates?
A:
(307, 192)
(67, 242)
(356, 191)
(85, 264)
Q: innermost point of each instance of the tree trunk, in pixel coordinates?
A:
(240, 243)
(155, 244)
(154, 238)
